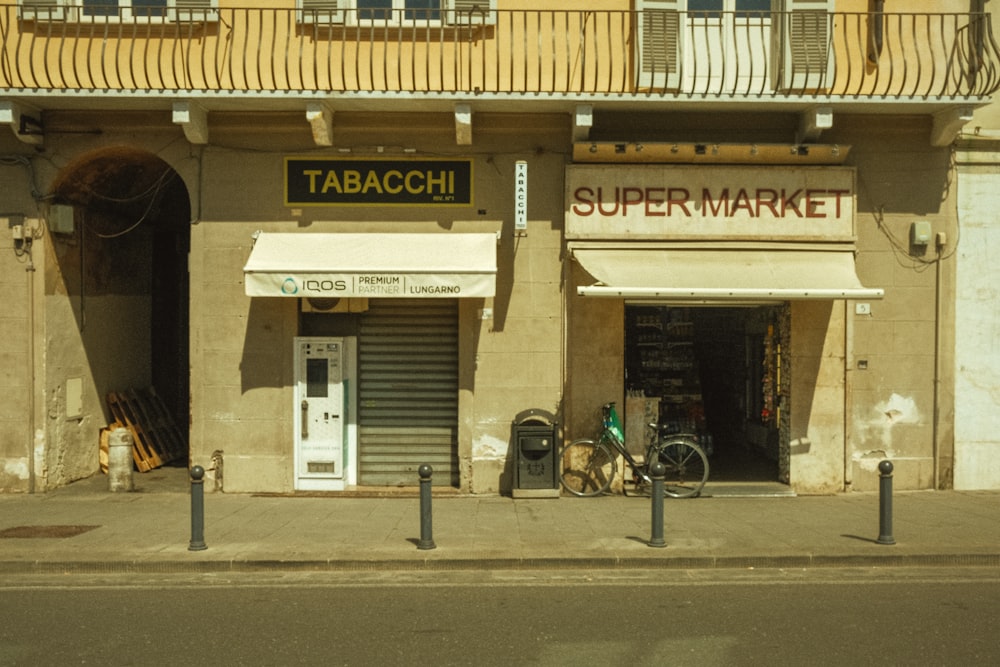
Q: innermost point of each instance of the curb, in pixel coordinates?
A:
(453, 564)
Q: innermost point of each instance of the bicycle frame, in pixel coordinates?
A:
(613, 435)
(589, 465)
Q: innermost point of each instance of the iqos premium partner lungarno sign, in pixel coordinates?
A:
(381, 182)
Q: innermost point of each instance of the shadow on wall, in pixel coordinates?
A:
(267, 347)
(810, 324)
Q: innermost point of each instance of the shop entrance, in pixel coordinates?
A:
(715, 371)
(119, 222)
(407, 384)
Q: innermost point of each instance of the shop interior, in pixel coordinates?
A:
(712, 371)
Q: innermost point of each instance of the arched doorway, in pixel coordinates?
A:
(121, 260)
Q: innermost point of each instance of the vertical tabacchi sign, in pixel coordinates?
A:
(520, 195)
(381, 182)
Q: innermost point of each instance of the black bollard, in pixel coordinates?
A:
(885, 503)
(426, 530)
(657, 472)
(197, 509)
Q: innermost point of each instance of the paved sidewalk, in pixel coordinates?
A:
(150, 531)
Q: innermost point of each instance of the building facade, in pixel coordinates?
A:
(338, 240)
(977, 371)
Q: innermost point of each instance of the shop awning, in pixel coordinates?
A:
(435, 265)
(726, 275)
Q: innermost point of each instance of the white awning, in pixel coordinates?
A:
(727, 275)
(436, 265)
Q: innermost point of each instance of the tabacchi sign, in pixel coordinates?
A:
(689, 202)
(360, 182)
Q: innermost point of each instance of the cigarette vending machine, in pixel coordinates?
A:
(325, 414)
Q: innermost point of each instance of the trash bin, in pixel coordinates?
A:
(535, 452)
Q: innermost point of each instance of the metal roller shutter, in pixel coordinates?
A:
(408, 391)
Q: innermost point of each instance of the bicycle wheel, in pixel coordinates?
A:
(587, 468)
(687, 467)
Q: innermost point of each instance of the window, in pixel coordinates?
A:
(398, 12)
(110, 11)
(742, 8)
(806, 60)
(659, 49)
(392, 11)
(138, 9)
(691, 44)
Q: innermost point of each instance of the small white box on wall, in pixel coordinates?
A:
(920, 232)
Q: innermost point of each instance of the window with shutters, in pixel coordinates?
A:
(398, 12)
(659, 43)
(804, 46)
(112, 11)
(726, 46)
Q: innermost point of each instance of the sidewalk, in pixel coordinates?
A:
(88, 529)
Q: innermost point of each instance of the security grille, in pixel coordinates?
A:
(408, 391)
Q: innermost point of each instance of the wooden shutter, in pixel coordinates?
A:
(42, 10)
(55, 10)
(321, 11)
(658, 43)
(806, 48)
(197, 10)
(471, 12)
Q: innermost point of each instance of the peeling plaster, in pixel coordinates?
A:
(41, 470)
(17, 468)
(489, 448)
(897, 410)
(868, 461)
(878, 430)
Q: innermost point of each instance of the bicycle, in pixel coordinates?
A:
(589, 467)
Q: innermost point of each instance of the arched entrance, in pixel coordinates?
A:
(121, 259)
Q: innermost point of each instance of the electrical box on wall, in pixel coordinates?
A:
(920, 232)
(61, 219)
(15, 223)
(356, 305)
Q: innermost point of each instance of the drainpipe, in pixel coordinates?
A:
(876, 18)
(939, 243)
(30, 268)
(848, 394)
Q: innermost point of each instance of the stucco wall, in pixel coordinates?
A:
(817, 397)
(241, 363)
(977, 361)
(896, 350)
(16, 443)
(977, 358)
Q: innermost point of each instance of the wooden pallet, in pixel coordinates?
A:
(156, 440)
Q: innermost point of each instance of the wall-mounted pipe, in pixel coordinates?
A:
(30, 268)
(876, 25)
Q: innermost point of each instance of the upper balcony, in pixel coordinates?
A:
(72, 53)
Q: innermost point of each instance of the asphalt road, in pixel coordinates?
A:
(703, 617)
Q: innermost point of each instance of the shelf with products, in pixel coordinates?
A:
(662, 363)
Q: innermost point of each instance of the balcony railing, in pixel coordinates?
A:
(54, 48)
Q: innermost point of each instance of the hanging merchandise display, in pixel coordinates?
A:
(771, 379)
